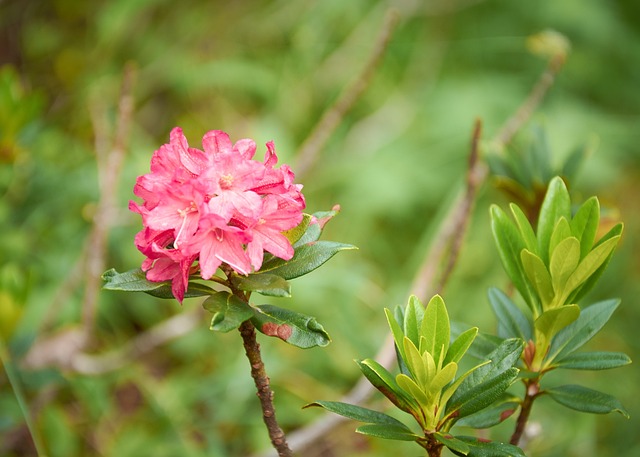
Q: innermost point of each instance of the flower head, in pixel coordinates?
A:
(215, 206)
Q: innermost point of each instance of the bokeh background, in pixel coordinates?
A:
(268, 70)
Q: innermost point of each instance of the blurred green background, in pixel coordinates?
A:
(268, 70)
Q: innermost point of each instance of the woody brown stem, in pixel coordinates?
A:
(265, 394)
(532, 391)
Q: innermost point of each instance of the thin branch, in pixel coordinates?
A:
(109, 169)
(333, 116)
(265, 394)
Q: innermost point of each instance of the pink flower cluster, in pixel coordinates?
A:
(217, 206)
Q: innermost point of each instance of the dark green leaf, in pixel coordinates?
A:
(541, 155)
(481, 448)
(296, 329)
(574, 161)
(413, 316)
(510, 245)
(314, 230)
(556, 204)
(575, 335)
(524, 226)
(136, 281)
(306, 259)
(479, 396)
(499, 411)
(586, 400)
(512, 323)
(451, 442)
(228, 311)
(593, 360)
(388, 432)
(263, 283)
(359, 413)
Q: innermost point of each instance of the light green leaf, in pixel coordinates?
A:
(263, 283)
(460, 345)
(512, 323)
(388, 432)
(584, 225)
(524, 226)
(561, 231)
(294, 234)
(593, 361)
(510, 245)
(414, 362)
(586, 400)
(413, 316)
(590, 264)
(538, 276)
(441, 379)
(556, 204)
(549, 323)
(581, 291)
(481, 448)
(413, 389)
(358, 413)
(314, 230)
(575, 335)
(306, 258)
(396, 331)
(136, 281)
(436, 329)
(294, 328)
(382, 380)
(228, 311)
(564, 262)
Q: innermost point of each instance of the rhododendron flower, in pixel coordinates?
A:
(202, 209)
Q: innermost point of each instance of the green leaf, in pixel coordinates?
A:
(413, 316)
(505, 356)
(590, 264)
(414, 362)
(294, 328)
(294, 234)
(228, 311)
(575, 335)
(136, 281)
(593, 361)
(481, 395)
(482, 448)
(510, 245)
(540, 155)
(306, 258)
(460, 345)
(538, 276)
(263, 283)
(512, 323)
(382, 380)
(358, 413)
(549, 323)
(436, 329)
(564, 262)
(574, 161)
(581, 291)
(556, 204)
(441, 379)
(314, 230)
(388, 432)
(584, 225)
(451, 442)
(586, 400)
(499, 411)
(396, 331)
(414, 390)
(561, 232)
(524, 226)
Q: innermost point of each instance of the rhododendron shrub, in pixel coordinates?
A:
(205, 208)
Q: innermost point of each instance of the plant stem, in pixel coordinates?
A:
(259, 375)
(532, 391)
